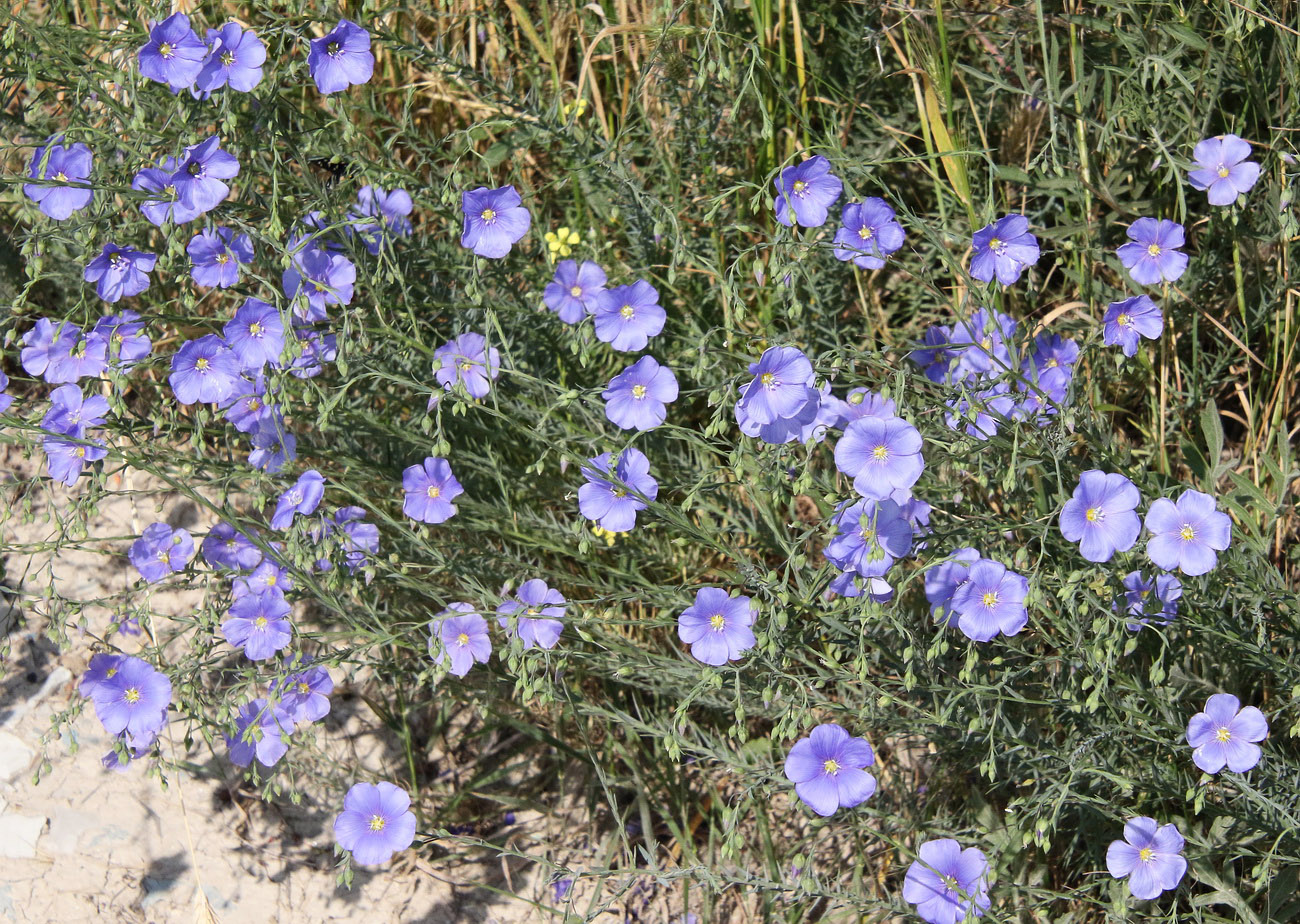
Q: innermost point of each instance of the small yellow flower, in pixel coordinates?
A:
(605, 534)
(561, 242)
(575, 109)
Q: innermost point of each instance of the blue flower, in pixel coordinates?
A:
(870, 233)
(494, 220)
(1003, 249)
(608, 497)
(342, 58)
(805, 192)
(635, 398)
(174, 54)
(216, 256)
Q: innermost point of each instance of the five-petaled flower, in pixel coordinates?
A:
(494, 220)
(947, 884)
(375, 823)
(1152, 255)
(827, 769)
(718, 627)
(1127, 321)
(1003, 250)
(1186, 534)
(1101, 516)
(341, 58)
(805, 192)
(1150, 856)
(1223, 170)
(1224, 735)
(430, 489)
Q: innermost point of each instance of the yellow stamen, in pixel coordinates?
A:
(1146, 854)
(1092, 514)
(991, 598)
(880, 453)
(638, 391)
(1187, 534)
(831, 766)
(132, 695)
(627, 312)
(462, 640)
(488, 215)
(717, 622)
(1153, 249)
(260, 622)
(1223, 734)
(202, 364)
(377, 822)
(576, 291)
(433, 491)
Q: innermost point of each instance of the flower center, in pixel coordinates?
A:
(80, 452)
(1052, 363)
(253, 404)
(1093, 514)
(627, 311)
(170, 189)
(800, 187)
(202, 364)
(164, 556)
(1124, 320)
(864, 233)
(986, 343)
(831, 767)
(1153, 250)
(194, 169)
(255, 329)
(488, 215)
(270, 580)
(880, 453)
(1223, 734)
(115, 258)
(304, 687)
(260, 622)
(638, 391)
(619, 492)
(1223, 171)
(466, 365)
(991, 598)
(950, 883)
(1187, 534)
(166, 49)
(995, 244)
(227, 58)
(576, 291)
(718, 622)
(462, 640)
(110, 673)
(1147, 854)
(377, 822)
(433, 491)
(768, 379)
(61, 177)
(223, 258)
(333, 49)
(132, 695)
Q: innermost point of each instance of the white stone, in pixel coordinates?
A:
(19, 834)
(15, 757)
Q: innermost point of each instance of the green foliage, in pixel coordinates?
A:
(1034, 748)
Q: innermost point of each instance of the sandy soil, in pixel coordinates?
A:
(88, 844)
